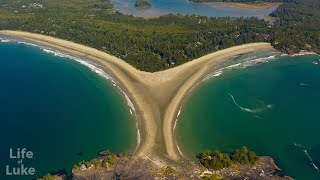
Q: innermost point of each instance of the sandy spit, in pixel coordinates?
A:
(157, 97)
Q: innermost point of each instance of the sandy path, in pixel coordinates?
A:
(157, 96)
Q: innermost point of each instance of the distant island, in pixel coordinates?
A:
(142, 3)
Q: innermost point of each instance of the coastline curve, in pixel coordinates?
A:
(156, 97)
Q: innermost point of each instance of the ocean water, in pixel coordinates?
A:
(59, 109)
(160, 7)
(271, 107)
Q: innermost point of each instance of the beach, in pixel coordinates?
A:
(156, 97)
(256, 6)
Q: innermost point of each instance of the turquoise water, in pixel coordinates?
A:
(186, 7)
(272, 108)
(58, 109)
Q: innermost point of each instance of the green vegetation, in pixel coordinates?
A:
(142, 3)
(219, 160)
(168, 170)
(47, 177)
(297, 26)
(147, 44)
(105, 162)
(245, 1)
(161, 43)
(213, 177)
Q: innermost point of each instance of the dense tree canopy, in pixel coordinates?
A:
(142, 3)
(160, 43)
(218, 160)
(297, 26)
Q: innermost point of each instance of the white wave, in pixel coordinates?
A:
(303, 53)
(29, 44)
(269, 106)
(176, 121)
(174, 127)
(95, 68)
(129, 103)
(5, 40)
(234, 66)
(258, 61)
(179, 150)
(245, 64)
(214, 74)
(91, 65)
(193, 87)
(138, 137)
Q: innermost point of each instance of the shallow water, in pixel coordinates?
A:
(59, 109)
(271, 107)
(160, 7)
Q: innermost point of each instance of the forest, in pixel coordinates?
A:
(245, 1)
(218, 160)
(142, 3)
(160, 43)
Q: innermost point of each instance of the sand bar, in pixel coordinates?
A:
(157, 96)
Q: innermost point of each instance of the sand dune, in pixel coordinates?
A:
(157, 96)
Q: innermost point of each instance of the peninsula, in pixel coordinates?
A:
(158, 61)
(157, 96)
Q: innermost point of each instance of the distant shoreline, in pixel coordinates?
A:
(256, 6)
(157, 97)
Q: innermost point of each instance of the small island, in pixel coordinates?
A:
(142, 4)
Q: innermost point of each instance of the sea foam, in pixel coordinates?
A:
(94, 67)
(176, 121)
(3, 40)
(248, 62)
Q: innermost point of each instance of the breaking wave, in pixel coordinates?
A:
(96, 68)
(258, 110)
(5, 40)
(245, 64)
(176, 121)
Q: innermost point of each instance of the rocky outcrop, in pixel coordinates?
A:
(133, 167)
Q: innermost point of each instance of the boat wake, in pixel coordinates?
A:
(309, 157)
(258, 110)
(304, 84)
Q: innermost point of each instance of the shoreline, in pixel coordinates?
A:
(157, 97)
(257, 6)
(93, 67)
